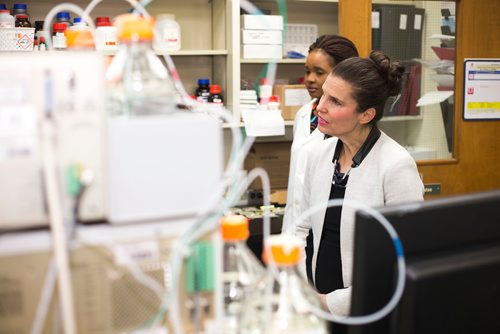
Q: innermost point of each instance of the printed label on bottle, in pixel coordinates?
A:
(59, 41)
(171, 39)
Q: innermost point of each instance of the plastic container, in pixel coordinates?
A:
(22, 21)
(79, 38)
(202, 93)
(215, 95)
(78, 24)
(65, 18)
(105, 35)
(279, 303)
(240, 270)
(6, 20)
(138, 82)
(58, 36)
(169, 31)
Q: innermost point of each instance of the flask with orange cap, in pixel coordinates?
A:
(240, 270)
(281, 301)
(139, 83)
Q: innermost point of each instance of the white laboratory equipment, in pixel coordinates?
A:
(144, 169)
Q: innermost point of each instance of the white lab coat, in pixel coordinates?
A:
(303, 141)
(388, 175)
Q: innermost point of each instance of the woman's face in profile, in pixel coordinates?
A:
(318, 66)
(337, 110)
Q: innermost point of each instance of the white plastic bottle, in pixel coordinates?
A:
(58, 38)
(169, 31)
(138, 82)
(279, 304)
(105, 35)
(241, 270)
(6, 20)
(265, 91)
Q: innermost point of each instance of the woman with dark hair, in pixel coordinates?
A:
(326, 52)
(359, 162)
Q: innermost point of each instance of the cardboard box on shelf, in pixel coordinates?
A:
(279, 196)
(291, 98)
(274, 158)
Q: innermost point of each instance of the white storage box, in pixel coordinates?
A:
(262, 51)
(262, 22)
(16, 39)
(261, 36)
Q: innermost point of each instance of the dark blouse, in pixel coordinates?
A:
(328, 275)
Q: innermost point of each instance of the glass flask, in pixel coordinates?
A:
(138, 81)
(240, 270)
(280, 302)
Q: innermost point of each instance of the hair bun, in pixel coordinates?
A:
(391, 70)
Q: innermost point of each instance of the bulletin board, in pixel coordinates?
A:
(481, 89)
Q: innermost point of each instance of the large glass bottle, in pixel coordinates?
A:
(139, 83)
(241, 270)
(280, 301)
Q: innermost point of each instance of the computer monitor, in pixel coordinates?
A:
(452, 252)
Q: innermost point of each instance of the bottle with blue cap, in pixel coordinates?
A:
(78, 24)
(64, 17)
(202, 93)
(20, 8)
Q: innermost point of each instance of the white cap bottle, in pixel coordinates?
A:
(6, 20)
(169, 31)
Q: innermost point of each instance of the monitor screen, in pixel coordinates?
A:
(452, 252)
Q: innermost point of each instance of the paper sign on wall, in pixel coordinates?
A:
(375, 20)
(417, 25)
(403, 20)
(481, 89)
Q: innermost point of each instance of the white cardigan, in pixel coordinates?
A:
(303, 140)
(388, 175)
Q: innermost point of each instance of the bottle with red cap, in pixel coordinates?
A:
(274, 103)
(240, 270)
(6, 20)
(22, 21)
(58, 37)
(215, 95)
(105, 34)
(280, 302)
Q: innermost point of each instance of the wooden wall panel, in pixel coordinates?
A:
(477, 144)
(355, 23)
